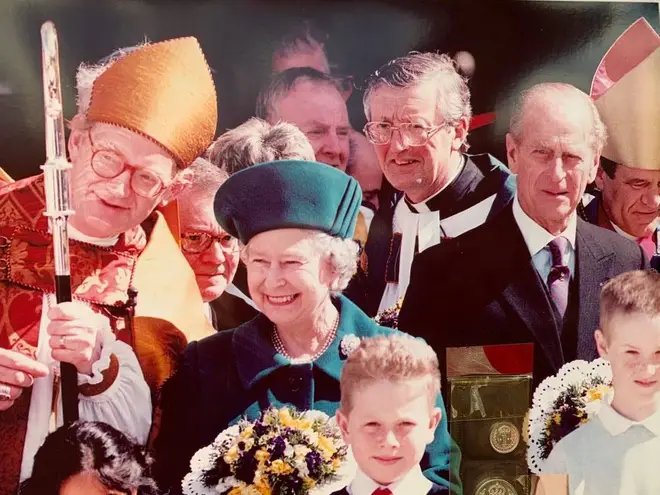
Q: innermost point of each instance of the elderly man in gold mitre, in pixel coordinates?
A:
(626, 91)
(144, 114)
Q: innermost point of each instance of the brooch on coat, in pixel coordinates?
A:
(349, 344)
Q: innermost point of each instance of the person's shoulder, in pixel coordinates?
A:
(438, 490)
(609, 242)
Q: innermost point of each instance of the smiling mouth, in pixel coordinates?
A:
(646, 383)
(388, 460)
(281, 300)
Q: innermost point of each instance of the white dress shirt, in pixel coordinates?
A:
(126, 404)
(413, 483)
(537, 240)
(610, 455)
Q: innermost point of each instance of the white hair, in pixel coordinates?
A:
(88, 73)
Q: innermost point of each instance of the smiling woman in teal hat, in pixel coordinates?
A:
(295, 220)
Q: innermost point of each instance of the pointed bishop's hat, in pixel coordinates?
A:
(626, 91)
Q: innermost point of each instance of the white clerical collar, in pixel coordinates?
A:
(616, 424)
(536, 237)
(422, 206)
(76, 235)
(625, 234)
(413, 482)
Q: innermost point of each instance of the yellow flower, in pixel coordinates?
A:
(327, 447)
(597, 393)
(261, 482)
(247, 432)
(280, 467)
(237, 490)
(556, 417)
(309, 483)
(232, 455)
(261, 455)
(285, 418)
(336, 463)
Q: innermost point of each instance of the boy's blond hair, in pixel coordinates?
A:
(396, 357)
(631, 292)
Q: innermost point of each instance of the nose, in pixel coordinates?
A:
(397, 141)
(557, 169)
(273, 276)
(390, 440)
(650, 370)
(652, 198)
(215, 253)
(120, 186)
(330, 145)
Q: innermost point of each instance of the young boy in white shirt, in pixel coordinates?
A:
(389, 387)
(617, 452)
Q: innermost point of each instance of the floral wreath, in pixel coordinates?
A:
(283, 452)
(564, 402)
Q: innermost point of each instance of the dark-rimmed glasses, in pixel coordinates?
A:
(109, 164)
(198, 242)
(411, 134)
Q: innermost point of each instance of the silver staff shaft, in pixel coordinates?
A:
(58, 200)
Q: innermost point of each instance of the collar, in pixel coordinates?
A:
(455, 187)
(616, 424)
(536, 237)
(256, 357)
(622, 232)
(76, 235)
(413, 482)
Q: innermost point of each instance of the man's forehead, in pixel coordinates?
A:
(388, 102)
(627, 172)
(131, 144)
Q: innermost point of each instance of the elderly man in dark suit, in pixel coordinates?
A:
(534, 272)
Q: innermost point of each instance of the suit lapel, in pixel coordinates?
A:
(525, 293)
(593, 270)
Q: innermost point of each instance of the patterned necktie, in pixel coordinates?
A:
(559, 275)
(382, 491)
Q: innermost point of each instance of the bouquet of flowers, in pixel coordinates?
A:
(564, 402)
(390, 316)
(284, 452)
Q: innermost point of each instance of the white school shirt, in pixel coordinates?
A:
(412, 483)
(126, 404)
(610, 455)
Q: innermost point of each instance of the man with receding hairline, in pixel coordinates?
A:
(533, 273)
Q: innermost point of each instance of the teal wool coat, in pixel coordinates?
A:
(237, 373)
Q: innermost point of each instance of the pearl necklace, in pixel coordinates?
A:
(279, 345)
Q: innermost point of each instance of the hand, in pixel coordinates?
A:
(75, 335)
(17, 372)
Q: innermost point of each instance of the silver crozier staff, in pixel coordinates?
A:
(56, 180)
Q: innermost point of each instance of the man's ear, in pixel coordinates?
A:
(77, 139)
(512, 153)
(460, 134)
(182, 182)
(595, 167)
(600, 178)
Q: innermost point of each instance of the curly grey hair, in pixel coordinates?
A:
(256, 141)
(453, 94)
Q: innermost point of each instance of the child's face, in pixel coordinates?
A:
(632, 346)
(389, 427)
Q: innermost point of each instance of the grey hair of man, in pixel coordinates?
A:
(85, 77)
(555, 91)
(342, 256)
(205, 178)
(281, 84)
(256, 141)
(453, 93)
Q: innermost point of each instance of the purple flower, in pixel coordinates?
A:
(313, 461)
(276, 447)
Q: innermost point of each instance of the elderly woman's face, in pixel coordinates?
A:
(288, 277)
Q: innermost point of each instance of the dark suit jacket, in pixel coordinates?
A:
(482, 288)
(237, 373)
(367, 287)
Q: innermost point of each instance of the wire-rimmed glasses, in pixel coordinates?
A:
(412, 134)
(198, 242)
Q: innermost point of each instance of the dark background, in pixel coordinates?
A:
(515, 44)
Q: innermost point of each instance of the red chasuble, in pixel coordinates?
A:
(168, 313)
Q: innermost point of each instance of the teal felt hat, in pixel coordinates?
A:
(288, 194)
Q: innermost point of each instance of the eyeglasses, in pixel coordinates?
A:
(198, 242)
(109, 164)
(411, 134)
